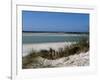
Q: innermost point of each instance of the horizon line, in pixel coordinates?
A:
(59, 31)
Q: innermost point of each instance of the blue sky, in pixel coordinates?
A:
(55, 21)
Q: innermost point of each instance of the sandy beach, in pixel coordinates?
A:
(27, 48)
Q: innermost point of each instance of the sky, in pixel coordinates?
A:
(55, 21)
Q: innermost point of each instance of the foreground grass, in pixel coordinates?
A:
(51, 54)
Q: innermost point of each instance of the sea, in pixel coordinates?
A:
(36, 38)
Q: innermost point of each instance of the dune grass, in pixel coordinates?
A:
(51, 54)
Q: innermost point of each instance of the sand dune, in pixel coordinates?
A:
(81, 59)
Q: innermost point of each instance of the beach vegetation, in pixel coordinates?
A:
(51, 54)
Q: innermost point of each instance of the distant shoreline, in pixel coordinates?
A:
(55, 32)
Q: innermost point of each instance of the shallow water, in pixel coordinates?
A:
(28, 38)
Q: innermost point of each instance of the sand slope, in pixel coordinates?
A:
(81, 59)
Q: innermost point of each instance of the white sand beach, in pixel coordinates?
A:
(27, 48)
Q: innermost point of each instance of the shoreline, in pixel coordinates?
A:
(27, 48)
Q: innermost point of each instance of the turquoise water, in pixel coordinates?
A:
(28, 38)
